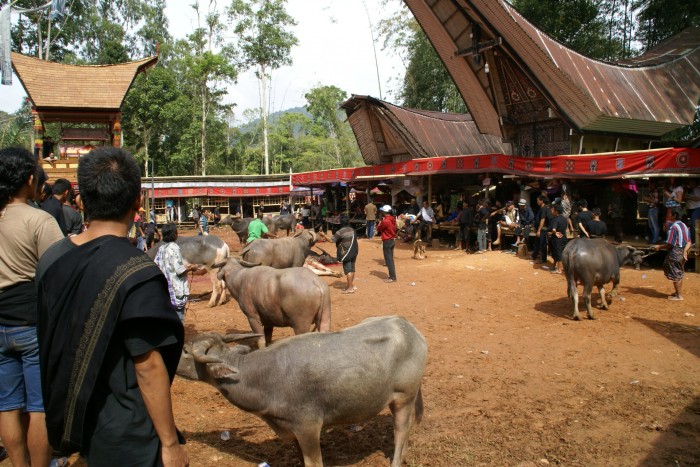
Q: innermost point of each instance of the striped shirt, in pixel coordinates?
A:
(678, 234)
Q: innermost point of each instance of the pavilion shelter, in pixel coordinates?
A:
(85, 100)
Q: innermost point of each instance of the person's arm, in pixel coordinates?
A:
(583, 229)
(154, 385)
(686, 249)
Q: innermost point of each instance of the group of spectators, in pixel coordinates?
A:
(89, 336)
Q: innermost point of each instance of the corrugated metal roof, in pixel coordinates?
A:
(649, 96)
(385, 131)
(57, 86)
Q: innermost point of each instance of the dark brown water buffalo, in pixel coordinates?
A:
(303, 383)
(595, 262)
(280, 253)
(206, 251)
(269, 298)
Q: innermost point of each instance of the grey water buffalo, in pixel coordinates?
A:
(269, 298)
(303, 383)
(286, 222)
(595, 262)
(280, 253)
(207, 251)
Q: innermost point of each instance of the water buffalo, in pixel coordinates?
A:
(303, 383)
(270, 297)
(280, 253)
(595, 262)
(286, 222)
(206, 251)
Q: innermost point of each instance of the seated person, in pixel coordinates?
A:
(509, 220)
(453, 217)
(596, 228)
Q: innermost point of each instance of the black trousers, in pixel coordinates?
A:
(388, 249)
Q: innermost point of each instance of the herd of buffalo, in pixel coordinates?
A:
(341, 377)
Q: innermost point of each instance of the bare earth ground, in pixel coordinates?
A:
(511, 379)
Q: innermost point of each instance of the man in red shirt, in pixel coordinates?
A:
(387, 229)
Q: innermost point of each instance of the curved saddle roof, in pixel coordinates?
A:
(385, 131)
(58, 87)
(649, 95)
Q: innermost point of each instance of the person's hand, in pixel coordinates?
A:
(174, 456)
(559, 234)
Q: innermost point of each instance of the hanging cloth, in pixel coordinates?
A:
(58, 11)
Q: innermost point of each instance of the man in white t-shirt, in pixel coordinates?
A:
(427, 218)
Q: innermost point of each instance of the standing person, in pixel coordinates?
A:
(72, 218)
(673, 197)
(387, 230)
(138, 226)
(109, 338)
(427, 219)
(692, 204)
(305, 214)
(169, 260)
(466, 221)
(258, 229)
(678, 243)
(370, 218)
(557, 228)
(53, 204)
(217, 215)
(152, 234)
(481, 218)
(203, 224)
(596, 228)
(583, 218)
(615, 213)
(544, 215)
(196, 214)
(25, 234)
(652, 200)
(345, 240)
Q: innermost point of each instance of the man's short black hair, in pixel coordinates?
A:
(16, 166)
(559, 208)
(169, 232)
(60, 186)
(596, 212)
(543, 198)
(583, 203)
(110, 183)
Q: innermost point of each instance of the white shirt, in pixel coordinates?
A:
(689, 204)
(427, 214)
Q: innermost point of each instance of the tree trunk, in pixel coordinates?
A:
(263, 114)
(203, 133)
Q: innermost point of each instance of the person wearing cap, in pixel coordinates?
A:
(678, 243)
(527, 219)
(387, 230)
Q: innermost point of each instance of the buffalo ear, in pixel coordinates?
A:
(222, 371)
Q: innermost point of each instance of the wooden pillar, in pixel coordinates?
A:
(430, 190)
(117, 134)
(38, 135)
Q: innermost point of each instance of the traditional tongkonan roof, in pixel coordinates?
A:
(389, 133)
(499, 60)
(61, 92)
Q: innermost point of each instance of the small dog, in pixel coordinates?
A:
(419, 249)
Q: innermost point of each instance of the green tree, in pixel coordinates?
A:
(575, 23)
(16, 128)
(659, 19)
(265, 45)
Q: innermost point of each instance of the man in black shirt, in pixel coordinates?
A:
(596, 228)
(557, 229)
(542, 222)
(54, 204)
(583, 218)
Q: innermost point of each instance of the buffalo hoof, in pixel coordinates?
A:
(591, 317)
(577, 318)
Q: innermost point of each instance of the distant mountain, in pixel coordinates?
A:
(274, 116)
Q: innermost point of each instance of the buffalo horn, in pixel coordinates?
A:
(228, 338)
(247, 264)
(199, 355)
(219, 265)
(298, 232)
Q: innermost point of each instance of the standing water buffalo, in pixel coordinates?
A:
(206, 251)
(286, 222)
(280, 253)
(270, 298)
(303, 383)
(595, 262)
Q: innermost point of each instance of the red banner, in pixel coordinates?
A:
(323, 176)
(608, 165)
(224, 192)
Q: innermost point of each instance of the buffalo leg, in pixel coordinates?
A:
(215, 288)
(603, 302)
(573, 293)
(268, 334)
(309, 441)
(257, 328)
(403, 412)
(587, 289)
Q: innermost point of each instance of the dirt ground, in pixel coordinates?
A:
(511, 379)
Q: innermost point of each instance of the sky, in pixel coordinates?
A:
(335, 48)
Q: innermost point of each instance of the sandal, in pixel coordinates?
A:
(347, 291)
